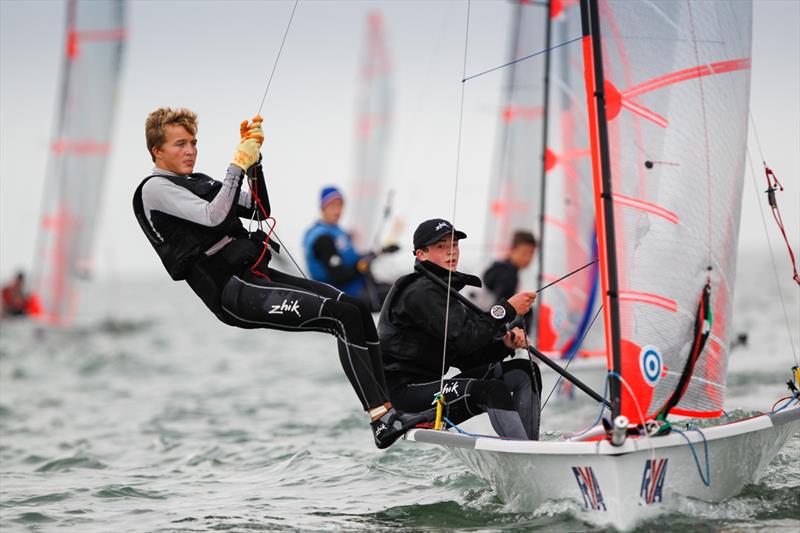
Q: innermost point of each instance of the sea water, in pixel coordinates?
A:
(149, 415)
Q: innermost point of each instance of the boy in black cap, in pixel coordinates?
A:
(412, 335)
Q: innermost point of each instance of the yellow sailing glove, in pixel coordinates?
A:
(247, 153)
(252, 130)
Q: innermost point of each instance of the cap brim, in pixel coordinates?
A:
(436, 238)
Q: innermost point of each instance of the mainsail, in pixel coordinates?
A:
(373, 126)
(668, 150)
(95, 35)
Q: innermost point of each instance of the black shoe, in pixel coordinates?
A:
(393, 425)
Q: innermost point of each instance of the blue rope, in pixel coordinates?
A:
(464, 432)
(523, 58)
(707, 478)
(599, 416)
(787, 404)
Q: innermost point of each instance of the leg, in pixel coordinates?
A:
(306, 306)
(519, 380)
(370, 333)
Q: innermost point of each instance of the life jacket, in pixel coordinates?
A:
(344, 246)
(180, 243)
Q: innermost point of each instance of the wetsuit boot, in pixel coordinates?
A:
(393, 425)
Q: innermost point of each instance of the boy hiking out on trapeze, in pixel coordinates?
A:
(192, 221)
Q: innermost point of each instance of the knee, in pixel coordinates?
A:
(491, 393)
(363, 308)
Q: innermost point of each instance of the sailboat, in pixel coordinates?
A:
(542, 183)
(667, 91)
(95, 37)
(367, 198)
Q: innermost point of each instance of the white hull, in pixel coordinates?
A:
(620, 486)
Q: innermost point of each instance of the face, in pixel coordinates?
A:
(179, 151)
(440, 253)
(522, 255)
(332, 211)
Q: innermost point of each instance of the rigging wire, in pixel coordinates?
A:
(558, 381)
(455, 198)
(277, 58)
(540, 52)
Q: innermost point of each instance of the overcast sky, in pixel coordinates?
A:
(215, 57)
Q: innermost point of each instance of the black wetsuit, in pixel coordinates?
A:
(411, 329)
(173, 210)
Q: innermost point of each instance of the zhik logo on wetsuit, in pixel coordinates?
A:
(293, 307)
(451, 388)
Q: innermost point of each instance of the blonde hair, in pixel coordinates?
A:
(157, 122)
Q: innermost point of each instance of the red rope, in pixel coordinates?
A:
(774, 185)
(254, 193)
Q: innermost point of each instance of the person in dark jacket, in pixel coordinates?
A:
(192, 221)
(417, 313)
(502, 277)
(332, 258)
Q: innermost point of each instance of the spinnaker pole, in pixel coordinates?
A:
(604, 206)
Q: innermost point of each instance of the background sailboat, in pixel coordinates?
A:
(667, 88)
(95, 37)
(368, 195)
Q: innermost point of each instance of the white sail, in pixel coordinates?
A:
(95, 37)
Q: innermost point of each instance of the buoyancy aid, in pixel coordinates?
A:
(344, 247)
(178, 242)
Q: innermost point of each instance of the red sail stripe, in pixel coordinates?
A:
(644, 112)
(646, 206)
(649, 298)
(96, 36)
(720, 67)
(81, 147)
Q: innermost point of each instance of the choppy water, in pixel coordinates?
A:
(151, 416)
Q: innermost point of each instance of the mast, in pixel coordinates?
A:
(601, 169)
(543, 181)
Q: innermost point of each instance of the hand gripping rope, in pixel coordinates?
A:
(774, 185)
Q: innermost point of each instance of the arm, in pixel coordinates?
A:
(160, 194)
(247, 205)
(467, 331)
(325, 250)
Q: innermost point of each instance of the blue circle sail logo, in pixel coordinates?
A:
(650, 364)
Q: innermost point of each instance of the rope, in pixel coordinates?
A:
(707, 478)
(792, 398)
(455, 201)
(771, 253)
(599, 416)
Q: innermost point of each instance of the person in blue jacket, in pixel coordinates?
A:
(332, 258)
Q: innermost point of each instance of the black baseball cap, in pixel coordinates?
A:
(432, 231)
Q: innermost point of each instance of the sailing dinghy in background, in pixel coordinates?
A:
(95, 37)
(667, 91)
(542, 183)
(367, 201)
